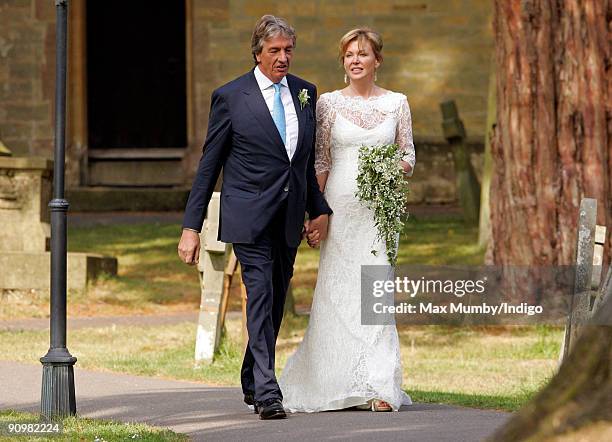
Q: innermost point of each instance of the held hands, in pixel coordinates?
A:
(315, 230)
(189, 247)
(405, 166)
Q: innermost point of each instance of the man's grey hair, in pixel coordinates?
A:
(268, 27)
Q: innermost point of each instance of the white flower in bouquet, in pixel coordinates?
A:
(382, 188)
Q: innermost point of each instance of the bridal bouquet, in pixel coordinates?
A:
(382, 188)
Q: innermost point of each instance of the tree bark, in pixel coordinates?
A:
(553, 137)
(577, 403)
(553, 146)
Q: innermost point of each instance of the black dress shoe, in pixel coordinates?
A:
(249, 399)
(272, 409)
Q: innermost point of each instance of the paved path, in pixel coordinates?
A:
(89, 219)
(217, 413)
(105, 321)
(109, 321)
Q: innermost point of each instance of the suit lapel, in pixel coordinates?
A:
(301, 115)
(257, 105)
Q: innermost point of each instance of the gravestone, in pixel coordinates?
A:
(4, 151)
(468, 188)
(216, 267)
(211, 268)
(25, 191)
(590, 291)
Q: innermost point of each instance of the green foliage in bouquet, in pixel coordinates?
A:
(382, 188)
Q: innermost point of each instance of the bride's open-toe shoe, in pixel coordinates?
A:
(375, 405)
(378, 405)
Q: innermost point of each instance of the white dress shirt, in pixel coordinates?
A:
(291, 120)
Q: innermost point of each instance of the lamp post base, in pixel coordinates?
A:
(58, 394)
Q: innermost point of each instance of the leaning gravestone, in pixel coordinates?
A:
(25, 191)
(216, 267)
(589, 290)
(211, 267)
(468, 187)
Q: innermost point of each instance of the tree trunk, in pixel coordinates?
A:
(553, 137)
(577, 403)
(552, 146)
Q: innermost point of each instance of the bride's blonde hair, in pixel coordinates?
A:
(362, 35)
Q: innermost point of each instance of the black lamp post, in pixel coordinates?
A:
(58, 397)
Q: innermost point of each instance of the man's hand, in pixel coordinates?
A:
(189, 247)
(306, 229)
(313, 239)
(308, 233)
(318, 230)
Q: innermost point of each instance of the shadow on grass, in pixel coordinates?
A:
(151, 274)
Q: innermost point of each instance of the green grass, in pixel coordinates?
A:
(152, 279)
(497, 402)
(481, 367)
(496, 368)
(150, 272)
(82, 429)
(163, 351)
(440, 240)
(490, 367)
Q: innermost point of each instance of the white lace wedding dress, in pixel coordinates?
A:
(341, 363)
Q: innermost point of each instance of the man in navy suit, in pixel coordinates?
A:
(261, 132)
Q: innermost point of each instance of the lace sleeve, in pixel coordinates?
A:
(325, 119)
(403, 136)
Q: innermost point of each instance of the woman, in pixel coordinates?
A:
(341, 363)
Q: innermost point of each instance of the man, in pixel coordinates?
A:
(261, 131)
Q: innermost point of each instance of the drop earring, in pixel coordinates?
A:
(345, 79)
(375, 76)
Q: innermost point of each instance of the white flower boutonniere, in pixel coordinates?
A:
(303, 97)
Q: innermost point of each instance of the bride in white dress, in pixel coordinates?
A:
(341, 363)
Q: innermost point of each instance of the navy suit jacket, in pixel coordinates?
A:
(258, 176)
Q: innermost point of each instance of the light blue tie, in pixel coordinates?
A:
(278, 112)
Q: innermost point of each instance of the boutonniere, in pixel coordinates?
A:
(303, 97)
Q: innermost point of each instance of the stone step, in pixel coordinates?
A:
(135, 172)
(32, 270)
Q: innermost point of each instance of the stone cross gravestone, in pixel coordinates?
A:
(211, 267)
(216, 267)
(468, 187)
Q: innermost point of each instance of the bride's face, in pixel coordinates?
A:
(360, 62)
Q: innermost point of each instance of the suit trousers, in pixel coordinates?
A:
(267, 268)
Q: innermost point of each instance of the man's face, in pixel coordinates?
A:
(275, 57)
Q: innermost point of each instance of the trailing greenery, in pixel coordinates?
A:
(382, 188)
